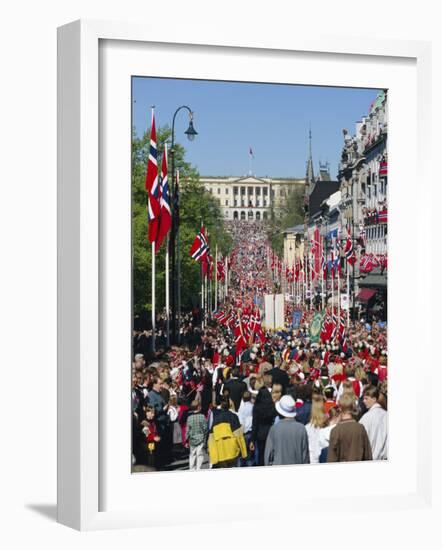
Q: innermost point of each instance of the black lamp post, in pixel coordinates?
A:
(174, 244)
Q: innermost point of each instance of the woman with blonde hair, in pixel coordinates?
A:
(318, 420)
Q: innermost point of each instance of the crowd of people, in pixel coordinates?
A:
(283, 399)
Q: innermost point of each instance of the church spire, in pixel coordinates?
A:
(310, 176)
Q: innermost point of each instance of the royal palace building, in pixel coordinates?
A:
(249, 197)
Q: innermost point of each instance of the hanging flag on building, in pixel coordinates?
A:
(152, 187)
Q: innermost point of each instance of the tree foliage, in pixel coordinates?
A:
(292, 213)
(196, 206)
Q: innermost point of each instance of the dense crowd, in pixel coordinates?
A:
(282, 399)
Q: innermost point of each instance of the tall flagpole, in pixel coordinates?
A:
(226, 278)
(153, 297)
(178, 257)
(167, 293)
(216, 276)
(348, 294)
(202, 296)
(339, 291)
(322, 275)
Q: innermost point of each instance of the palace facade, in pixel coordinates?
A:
(249, 197)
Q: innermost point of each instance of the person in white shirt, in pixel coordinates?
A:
(245, 415)
(375, 423)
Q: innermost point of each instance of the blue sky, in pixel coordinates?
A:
(272, 119)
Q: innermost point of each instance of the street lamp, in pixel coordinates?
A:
(174, 243)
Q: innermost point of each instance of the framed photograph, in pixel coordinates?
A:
(245, 270)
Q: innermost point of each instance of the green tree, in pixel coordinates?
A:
(196, 205)
(292, 213)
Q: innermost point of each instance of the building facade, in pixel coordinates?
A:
(363, 176)
(250, 198)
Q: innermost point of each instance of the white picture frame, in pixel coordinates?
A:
(81, 447)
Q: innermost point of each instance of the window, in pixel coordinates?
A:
(235, 215)
(264, 215)
(227, 202)
(250, 214)
(219, 191)
(243, 190)
(227, 191)
(258, 215)
(265, 191)
(235, 202)
(235, 190)
(249, 191)
(265, 202)
(243, 215)
(257, 191)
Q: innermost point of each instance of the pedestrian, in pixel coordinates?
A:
(245, 414)
(196, 436)
(226, 439)
(236, 387)
(318, 420)
(348, 439)
(263, 417)
(287, 441)
(375, 423)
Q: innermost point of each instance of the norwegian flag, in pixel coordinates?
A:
(383, 216)
(220, 272)
(200, 247)
(220, 316)
(368, 262)
(349, 251)
(383, 260)
(383, 168)
(152, 188)
(240, 339)
(327, 327)
(335, 326)
(208, 264)
(315, 245)
(165, 215)
(258, 332)
(297, 270)
(374, 260)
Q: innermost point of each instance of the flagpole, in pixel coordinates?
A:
(178, 259)
(216, 276)
(226, 278)
(348, 294)
(153, 297)
(322, 276)
(339, 289)
(167, 293)
(202, 295)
